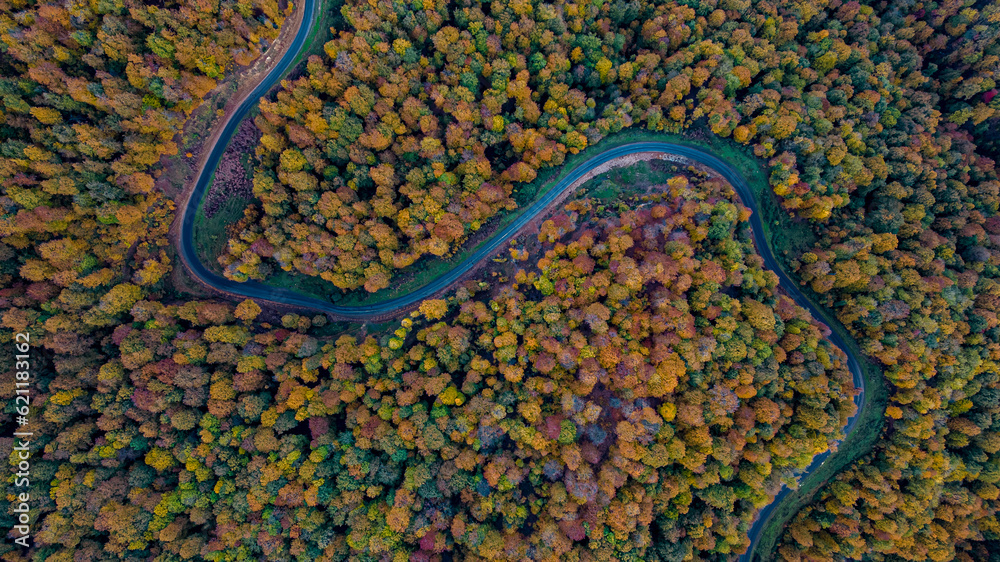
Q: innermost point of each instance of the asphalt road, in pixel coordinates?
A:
(256, 290)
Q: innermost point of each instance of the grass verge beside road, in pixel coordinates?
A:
(329, 17)
(212, 236)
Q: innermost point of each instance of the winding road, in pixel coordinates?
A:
(255, 290)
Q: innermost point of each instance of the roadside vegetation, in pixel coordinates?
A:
(634, 387)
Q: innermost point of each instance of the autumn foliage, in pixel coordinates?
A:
(637, 391)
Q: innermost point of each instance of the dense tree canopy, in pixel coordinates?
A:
(641, 381)
(637, 390)
(420, 124)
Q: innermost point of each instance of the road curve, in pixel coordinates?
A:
(189, 208)
(256, 290)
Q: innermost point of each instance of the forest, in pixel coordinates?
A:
(643, 376)
(636, 388)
